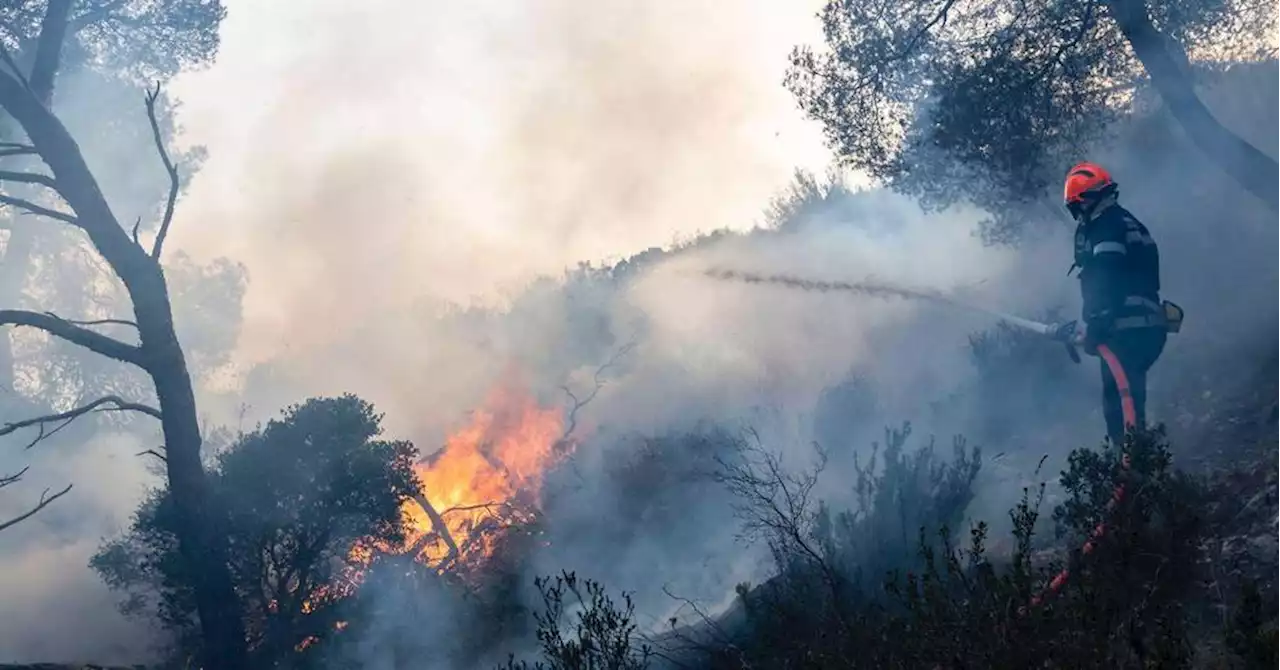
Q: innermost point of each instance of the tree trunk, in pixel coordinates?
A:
(201, 533)
(1254, 170)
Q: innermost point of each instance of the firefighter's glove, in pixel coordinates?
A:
(1096, 331)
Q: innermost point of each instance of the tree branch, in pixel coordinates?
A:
(13, 65)
(103, 322)
(45, 500)
(1254, 170)
(32, 208)
(571, 422)
(58, 149)
(28, 178)
(441, 530)
(153, 452)
(63, 419)
(488, 507)
(168, 167)
(96, 322)
(6, 480)
(66, 330)
(53, 33)
(17, 151)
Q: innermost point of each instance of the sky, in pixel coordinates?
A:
(367, 156)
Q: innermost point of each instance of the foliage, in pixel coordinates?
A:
(806, 200)
(1251, 633)
(299, 495)
(144, 38)
(961, 100)
(827, 568)
(1124, 605)
(602, 633)
(908, 491)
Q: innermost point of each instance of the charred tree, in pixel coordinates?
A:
(201, 534)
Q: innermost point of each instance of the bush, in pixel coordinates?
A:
(602, 636)
(307, 500)
(1126, 592)
(829, 574)
(1124, 604)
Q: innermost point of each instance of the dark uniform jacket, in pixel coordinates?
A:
(1119, 271)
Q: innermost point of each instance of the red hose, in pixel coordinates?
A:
(1130, 421)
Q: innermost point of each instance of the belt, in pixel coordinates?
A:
(1155, 318)
(1145, 321)
(1142, 301)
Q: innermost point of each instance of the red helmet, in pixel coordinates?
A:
(1086, 182)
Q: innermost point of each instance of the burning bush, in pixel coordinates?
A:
(486, 481)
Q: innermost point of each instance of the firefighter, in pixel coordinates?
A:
(1120, 287)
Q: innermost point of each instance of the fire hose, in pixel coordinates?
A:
(1068, 335)
(1117, 495)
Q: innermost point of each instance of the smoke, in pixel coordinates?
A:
(405, 185)
(47, 586)
(485, 143)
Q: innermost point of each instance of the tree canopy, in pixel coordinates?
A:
(143, 39)
(952, 100)
(307, 495)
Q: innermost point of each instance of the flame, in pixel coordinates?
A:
(486, 478)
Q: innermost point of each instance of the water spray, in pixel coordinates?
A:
(1065, 333)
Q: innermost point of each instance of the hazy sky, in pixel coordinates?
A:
(364, 155)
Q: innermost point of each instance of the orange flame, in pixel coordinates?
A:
(487, 477)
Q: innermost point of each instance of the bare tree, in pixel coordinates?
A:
(201, 533)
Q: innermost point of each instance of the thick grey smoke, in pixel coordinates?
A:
(393, 199)
(388, 153)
